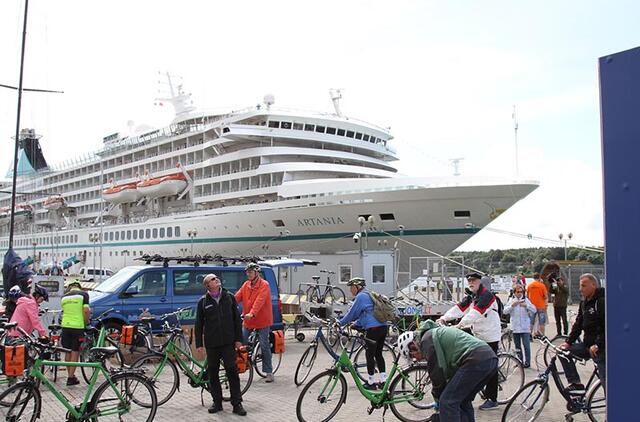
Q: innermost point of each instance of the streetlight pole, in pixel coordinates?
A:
(569, 236)
(192, 234)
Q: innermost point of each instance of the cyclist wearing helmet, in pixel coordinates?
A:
(76, 314)
(361, 312)
(255, 297)
(26, 312)
(459, 366)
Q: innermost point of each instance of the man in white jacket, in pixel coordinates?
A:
(479, 311)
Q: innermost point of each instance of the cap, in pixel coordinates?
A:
(473, 275)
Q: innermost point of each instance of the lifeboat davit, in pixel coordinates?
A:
(158, 187)
(121, 194)
(54, 202)
(23, 213)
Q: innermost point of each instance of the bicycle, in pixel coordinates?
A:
(95, 337)
(118, 396)
(404, 391)
(334, 293)
(591, 400)
(163, 364)
(255, 355)
(357, 350)
(407, 322)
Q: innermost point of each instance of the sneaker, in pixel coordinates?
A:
(575, 387)
(368, 386)
(239, 410)
(269, 378)
(215, 408)
(488, 404)
(72, 381)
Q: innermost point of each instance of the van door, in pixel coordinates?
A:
(147, 291)
(187, 290)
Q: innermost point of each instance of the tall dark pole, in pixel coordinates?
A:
(17, 140)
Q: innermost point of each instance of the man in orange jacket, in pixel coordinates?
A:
(255, 297)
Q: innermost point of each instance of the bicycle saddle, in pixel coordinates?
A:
(55, 327)
(316, 277)
(9, 325)
(104, 352)
(147, 319)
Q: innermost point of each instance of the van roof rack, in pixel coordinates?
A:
(196, 260)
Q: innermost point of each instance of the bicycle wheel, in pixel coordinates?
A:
(162, 373)
(135, 399)
(510, 376)
(596, 406)
(360, 360)
(20, 402)
(312, 295)
(113, 362)
(410, 391)
(305, 364)
(246, 378)
(322, 397)
(506, 342)
(549, 352)
(276, 359)
(333, 336)
(338, 296)
(183, 343)
(528, 403)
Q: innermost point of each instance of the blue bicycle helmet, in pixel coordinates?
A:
(41, 291)
(15, 293)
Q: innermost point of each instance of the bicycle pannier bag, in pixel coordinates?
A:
(14, 360)
(242, 359)
(276, 338)
(383, 309)
(128, 334)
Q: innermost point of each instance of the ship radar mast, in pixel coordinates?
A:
(181, 101)
(455, 162)
(336, 96)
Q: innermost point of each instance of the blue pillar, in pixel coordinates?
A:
(620, 120)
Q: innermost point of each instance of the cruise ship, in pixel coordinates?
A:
(258, 181)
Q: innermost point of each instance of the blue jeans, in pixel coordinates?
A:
(523, 339)
(265, 346)
(457, 397)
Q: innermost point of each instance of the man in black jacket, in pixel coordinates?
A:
(591, 321)
(218, 322)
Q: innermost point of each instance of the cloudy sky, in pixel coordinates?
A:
(443, 75)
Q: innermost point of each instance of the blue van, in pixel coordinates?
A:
(164, 289)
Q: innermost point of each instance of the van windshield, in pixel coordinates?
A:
(117, 280)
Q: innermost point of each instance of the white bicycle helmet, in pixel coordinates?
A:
(404, 340)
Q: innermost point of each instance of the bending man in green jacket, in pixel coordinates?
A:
(459, 366)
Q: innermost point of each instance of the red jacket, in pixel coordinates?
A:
(257, 301)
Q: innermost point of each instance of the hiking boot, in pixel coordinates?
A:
(239, 410)
(72, 381)
(269, 378)
(488, 404)
(215, 408)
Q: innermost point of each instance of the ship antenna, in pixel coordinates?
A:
(336, 96)
(455, 162)
(515, 137)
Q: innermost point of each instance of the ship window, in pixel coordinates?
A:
(177, 231)
(122, 235)
(116, 253)
(461, 214)
(274, 124)
(365, 137)
(169, 231)
(148, 233)
(226, 130)
(349, 134)
(162, 232)
(373, 139)
(285, 125)
(117, 235)
(320, 129)
(155, 233)
(135, 235)
(141, 234)
(128, 234)
(331, 130)
(278, 223)
(309, 128)
(297, 126)
(358, 135)
(340, 132)
(387, 216)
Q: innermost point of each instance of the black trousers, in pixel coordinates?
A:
(374, 351)
(491, 390)
(560, 313)
(228, 356)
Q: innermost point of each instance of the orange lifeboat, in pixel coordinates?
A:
(121, 194)
(23, 213)
(54, 202)
(158, 187)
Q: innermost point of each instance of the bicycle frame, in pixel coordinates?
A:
(79, 412)
(355, 345)
(171, 350)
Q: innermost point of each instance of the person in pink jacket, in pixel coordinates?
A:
(26, 313)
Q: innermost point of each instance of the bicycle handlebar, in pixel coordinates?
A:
(103, 315)
(327, 272)
(566, 353)
(40, 345)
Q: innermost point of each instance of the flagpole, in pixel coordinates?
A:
(515, 135)
(17, 139)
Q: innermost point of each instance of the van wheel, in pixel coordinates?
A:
(114, 329)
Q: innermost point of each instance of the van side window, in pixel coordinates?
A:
(189, 282)
(232, 280)
(150, 283)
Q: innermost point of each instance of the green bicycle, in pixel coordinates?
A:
(99, 337)
(162, 367)
(405, 391)
(118, 398)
